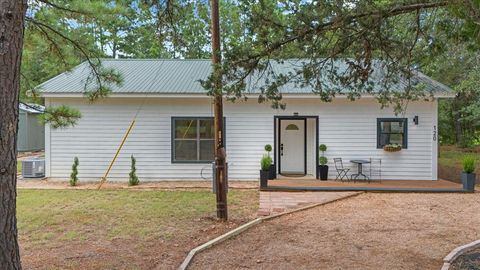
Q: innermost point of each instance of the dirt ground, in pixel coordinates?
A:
(369, 231)
(467, 261)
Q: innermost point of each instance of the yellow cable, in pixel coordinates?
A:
(104, 178)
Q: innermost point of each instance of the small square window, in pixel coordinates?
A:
(392, 131)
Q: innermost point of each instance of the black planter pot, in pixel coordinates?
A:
(272, 173)
(323, 172)
(468, 180)
(264, 178)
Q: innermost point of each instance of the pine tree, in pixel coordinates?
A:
(73, 175)
(133, 179)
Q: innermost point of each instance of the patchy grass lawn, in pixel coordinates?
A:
(451, 159)
(453, 156)
(19, 166)
(121, 229)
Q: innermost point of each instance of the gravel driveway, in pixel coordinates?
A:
(369, 231)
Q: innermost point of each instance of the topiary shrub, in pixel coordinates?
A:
(469, 164)
(323, 160)
(322, 148)
(265, 162)
(268, 148)
(133, 178)
(74, 174)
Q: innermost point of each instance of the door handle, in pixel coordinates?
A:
(281, 149)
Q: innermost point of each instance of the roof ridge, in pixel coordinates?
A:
(153, 59)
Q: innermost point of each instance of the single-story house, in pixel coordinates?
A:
(173, 135)
(31, 134)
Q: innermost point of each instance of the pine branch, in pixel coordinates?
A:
(64, 8)
(340, 22)
(45, 27)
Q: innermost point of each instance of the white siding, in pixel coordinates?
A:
(347, 128)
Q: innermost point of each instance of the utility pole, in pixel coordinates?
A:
(220, 154)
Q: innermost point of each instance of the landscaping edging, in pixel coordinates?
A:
(454, 254)
(250, 224)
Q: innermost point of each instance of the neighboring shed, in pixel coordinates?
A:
(31, 134)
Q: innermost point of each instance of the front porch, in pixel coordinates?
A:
(303, 184)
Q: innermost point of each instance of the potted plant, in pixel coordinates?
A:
(468, 175)
(392, 147)
(323, 167)
(273, 172)
(265, 164)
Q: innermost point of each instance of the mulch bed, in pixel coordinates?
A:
(467, 261)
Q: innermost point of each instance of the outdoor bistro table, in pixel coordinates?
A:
(359, 163)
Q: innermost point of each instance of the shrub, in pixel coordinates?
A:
(323, 160)
(266, 162)
(73, 175)
(133, 179)
(469, 164)
(322, 147)
(268, 148)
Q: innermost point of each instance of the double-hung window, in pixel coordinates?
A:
(192, 139)
(392, 131)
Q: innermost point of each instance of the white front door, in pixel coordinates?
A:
(292, 146)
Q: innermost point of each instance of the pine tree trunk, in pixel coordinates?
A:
(12, 15)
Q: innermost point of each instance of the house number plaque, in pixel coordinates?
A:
(434, 133)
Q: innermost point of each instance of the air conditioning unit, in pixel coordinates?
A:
(33, 168)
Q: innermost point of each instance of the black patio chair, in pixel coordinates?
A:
(376, 168)
(341, 171)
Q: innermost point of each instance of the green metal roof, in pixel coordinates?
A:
(178, 76)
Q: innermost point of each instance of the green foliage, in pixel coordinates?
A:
(56, 40)
(393, 38)
(459, 118)
(133, 179)
(265, 162)
(60, 117)
(268, 148)
(453, 59)
(100, 81)
(61, 35)
(74, 174)
(469, 164)
(323, 160)
(322, 147)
